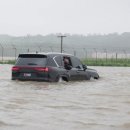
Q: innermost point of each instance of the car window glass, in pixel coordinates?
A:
(58, 60)
(67, 63)
(76, 62)
(50, 62)
(31, 61)
(66, 58)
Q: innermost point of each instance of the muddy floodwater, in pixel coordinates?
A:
(102, 104)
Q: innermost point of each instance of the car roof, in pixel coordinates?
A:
(51, 54)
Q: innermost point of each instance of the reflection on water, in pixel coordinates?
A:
(102, 104)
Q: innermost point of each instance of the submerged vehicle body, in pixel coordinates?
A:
(51, 67)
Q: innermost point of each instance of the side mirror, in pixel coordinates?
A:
(84, 67)
(78, 67)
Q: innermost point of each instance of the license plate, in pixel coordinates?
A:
(27, 74)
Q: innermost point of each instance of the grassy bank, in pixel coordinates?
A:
(107, 62)
(93, 62)
(8, 62)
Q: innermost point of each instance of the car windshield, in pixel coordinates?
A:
(31, 60)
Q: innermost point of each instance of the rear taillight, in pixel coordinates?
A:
(42, 69)
(15, 68)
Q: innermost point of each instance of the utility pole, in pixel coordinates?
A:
(61, 36)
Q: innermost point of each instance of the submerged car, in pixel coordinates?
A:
(51, 67)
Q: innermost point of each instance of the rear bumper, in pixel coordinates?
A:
(34, 79)
(39, 76)
(31, 79)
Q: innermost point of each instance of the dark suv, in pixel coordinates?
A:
(51, 67)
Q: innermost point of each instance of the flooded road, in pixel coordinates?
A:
(102, 104)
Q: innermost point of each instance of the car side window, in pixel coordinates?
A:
(67, 60)
(58, 60)
(76, 62)
(50, 62)
(67, 63)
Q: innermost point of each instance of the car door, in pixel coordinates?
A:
(62, 70)
(71, 71)
(80, 73)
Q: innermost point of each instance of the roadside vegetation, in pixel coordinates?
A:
(8, 62)
(107, 62)
(93, 62)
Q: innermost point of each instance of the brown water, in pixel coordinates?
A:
(102, 104)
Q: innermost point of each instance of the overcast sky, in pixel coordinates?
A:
(22, 17)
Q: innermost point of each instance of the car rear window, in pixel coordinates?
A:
(32, 60)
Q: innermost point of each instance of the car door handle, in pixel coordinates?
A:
(78, 71)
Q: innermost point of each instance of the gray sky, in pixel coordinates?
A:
(22, 17)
